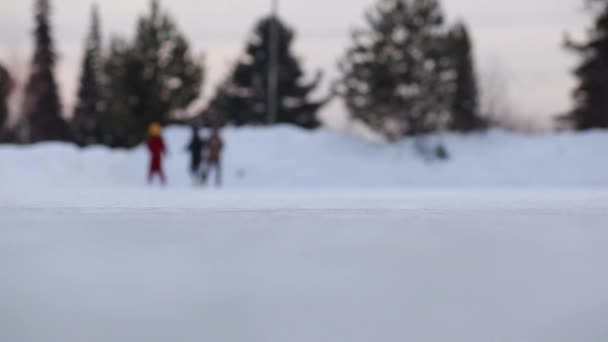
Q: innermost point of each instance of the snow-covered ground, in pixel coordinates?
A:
(287, 157)
(181, 265)
(306, 244)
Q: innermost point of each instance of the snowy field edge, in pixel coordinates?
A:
(290, 158)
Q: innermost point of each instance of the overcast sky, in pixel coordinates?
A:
(522, 38)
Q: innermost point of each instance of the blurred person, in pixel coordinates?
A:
(196, 148)
(157, 148)
(215, 146)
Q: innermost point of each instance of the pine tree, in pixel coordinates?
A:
(465, 100)
(216, 114)
(91, 103)
(170, 78)
(148, 80)
(122, 70)
(396, 76)
(42, 118)
(242, 98)
(591, 102)
(6, 86)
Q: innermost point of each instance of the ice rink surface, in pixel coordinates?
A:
(303, 266)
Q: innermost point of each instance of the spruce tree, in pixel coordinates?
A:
(6, 86)
(465, 99)
(242, 98)
(396, 75)
(217, 112)
(42, 118)
(169, 78)
(91, 104)
(591, 102)
(149, 79)
(122, 72)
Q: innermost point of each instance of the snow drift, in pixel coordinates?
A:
(286, 157)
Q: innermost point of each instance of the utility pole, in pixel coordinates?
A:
(273, 64)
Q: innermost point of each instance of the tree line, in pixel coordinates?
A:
(407, 72)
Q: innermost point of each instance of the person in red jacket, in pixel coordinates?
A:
(157, 148)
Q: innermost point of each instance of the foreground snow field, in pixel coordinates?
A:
(180, 265)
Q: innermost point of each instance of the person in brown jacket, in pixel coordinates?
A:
(215, 146)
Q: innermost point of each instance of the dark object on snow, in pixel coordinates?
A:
(442, 153)
(429, 151)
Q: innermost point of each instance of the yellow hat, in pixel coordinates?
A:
(155, 129)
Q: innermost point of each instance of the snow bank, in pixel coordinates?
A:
(286, 157)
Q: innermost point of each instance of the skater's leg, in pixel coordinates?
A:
(204, 174)
(150, 176)
(163, 178)
(194, 174)
(195, 169)
(218, 174)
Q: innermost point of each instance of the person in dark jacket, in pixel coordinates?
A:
(196, 147)
(215, 146)
(157, 149)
